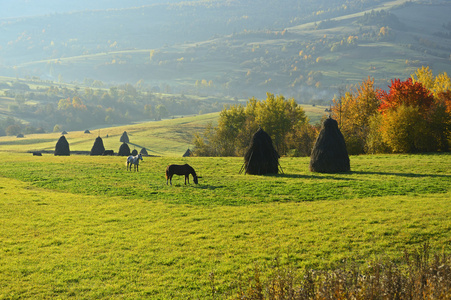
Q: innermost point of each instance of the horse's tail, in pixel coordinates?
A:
(167, 172)
(127, 161)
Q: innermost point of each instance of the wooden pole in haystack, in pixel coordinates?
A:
(261, 157)
(329, 155)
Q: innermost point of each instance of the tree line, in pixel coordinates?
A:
(283, 119)
(412, 116)
(58, 107)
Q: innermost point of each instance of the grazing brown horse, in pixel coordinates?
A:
(180, 170)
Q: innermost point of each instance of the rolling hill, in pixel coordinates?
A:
(170, 137)
(309, 50)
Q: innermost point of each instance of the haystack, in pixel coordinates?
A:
(144, 152)
(188, 153)
(124, 138)
(87, 131)
(124, 150)
(98, 148)
(329, 155)
(261, 157)
(134, 152)
(62, 146)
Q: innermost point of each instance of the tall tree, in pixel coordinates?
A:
(353, 111)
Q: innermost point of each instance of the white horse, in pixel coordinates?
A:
(134, 160)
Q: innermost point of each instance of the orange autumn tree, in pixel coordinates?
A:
(411, 118)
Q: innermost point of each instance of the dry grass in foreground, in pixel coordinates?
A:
(418, 275)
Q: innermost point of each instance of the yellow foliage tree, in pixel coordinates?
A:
(424, 76)
(442, 83)
(439, 84)
(353, 111)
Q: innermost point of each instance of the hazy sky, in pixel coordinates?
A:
(21, 8)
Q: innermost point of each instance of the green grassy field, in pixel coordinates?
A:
(84, 227)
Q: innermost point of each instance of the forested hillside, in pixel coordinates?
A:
(221, 50)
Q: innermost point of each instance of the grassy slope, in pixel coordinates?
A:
(168, 137)
(82, 227)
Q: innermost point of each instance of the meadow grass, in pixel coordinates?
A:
(84, 227)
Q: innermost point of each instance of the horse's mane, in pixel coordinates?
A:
(191, 170)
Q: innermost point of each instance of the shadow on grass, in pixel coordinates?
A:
(209, 187)
(148, 150)
(313, 176)
(339, 176)
(410, 175)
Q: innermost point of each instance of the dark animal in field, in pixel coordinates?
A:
(37, 154)
(185, 169)
(134, 160)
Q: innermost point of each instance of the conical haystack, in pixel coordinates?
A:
(124, 138)
(261, 157)
(98, 148)
(144, 152)
(124, 150)
(62, 146)
(134, 152)
(188, 153)
(329, 155)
